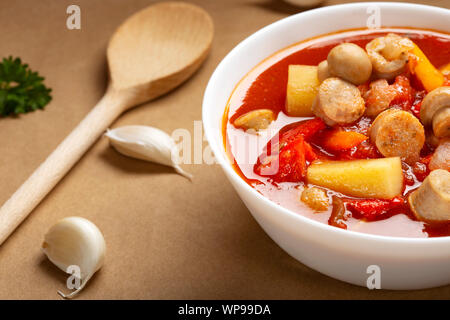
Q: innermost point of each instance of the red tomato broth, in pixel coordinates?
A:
(265, 87)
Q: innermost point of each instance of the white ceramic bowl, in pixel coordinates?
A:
(405, 263)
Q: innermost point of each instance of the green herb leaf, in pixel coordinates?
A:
(21, 89)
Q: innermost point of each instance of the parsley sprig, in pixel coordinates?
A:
(21, 90)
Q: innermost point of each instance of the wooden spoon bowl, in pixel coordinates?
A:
(158, 48)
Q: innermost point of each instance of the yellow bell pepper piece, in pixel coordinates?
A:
(419, 64)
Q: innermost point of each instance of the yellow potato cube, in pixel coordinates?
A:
(372, 178)
(302, 88)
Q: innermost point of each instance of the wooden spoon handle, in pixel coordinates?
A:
(53, 169)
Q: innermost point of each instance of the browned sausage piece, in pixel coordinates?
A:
(397, 133)
(338, 102)
(431, 202)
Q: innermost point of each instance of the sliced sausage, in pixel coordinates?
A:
(350, 62)
(397, 133)
(338, 102)
(431, 202)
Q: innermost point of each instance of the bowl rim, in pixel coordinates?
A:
(224, 161)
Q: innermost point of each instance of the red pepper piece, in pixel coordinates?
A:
(310, 155)
(306, 128)
(418, 97)
(365, 150)
(290, 165)
(285, 160)
(292, 162)
(372, 209)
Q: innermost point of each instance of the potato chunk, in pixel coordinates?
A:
(372, 178)
(302, 88)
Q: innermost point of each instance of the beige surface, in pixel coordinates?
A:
(128, 56)
(167, 238)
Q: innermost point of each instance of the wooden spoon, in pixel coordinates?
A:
(151, 53)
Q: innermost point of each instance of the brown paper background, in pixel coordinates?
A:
(167, 238)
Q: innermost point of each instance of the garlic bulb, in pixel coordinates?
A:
(146, 143)
(75, 242)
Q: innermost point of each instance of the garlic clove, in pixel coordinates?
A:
(75, 241)
(146, 143)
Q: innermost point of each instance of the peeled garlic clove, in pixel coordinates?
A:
(75, 241)
(146, 143)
